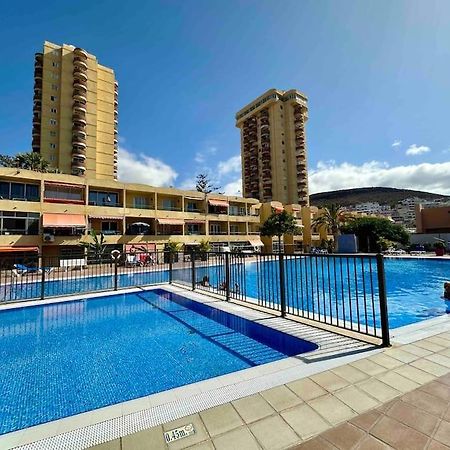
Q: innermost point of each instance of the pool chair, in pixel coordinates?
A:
(22, 269)
(132, 260)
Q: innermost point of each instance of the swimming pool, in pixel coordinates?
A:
(65, 358)
(414, 287)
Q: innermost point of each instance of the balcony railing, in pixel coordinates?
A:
(169, 208)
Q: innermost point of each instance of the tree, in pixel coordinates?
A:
(332, 218)
(97, 247)
(204, 246)
(204, 184)
(28, 161)
(372, 232)
(279, 224)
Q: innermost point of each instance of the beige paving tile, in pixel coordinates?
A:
(445, 352)
(111, 445)
(436, 445)
(273, 433)
(386, 361)
(356, 399)
(400, 354)
(439, 340)
(397, 381)
(221, 419)
(368, 367)
(149, 439)
(382, 392)
(431, 346)
(332, 409)
(439, 359)
(430, 367)
(281, 398)
(415, 374)
(306, 389)
(350, 373)
(239, 438)
(305, 421)
(200, 431)
(205, 445)
(329, 381)
(253, 408)
(418, 351)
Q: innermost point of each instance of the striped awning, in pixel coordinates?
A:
(170, 221)
(106, 217)
(223, 203)
(256, 242)
(50, 220)
(195, 221)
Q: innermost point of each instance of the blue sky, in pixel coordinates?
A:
(375, 72)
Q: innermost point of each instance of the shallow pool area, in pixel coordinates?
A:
(65, 358)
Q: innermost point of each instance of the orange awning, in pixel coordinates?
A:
(170, 221)
(50, 220)
(278, 209)
(223, 203)
(18, 249)
(64, 185)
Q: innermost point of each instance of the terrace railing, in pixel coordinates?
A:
(340, 291)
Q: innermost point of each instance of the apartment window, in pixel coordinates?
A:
(55, 64)
(192, 228)
(282, 142)
(168, 204)
(60, 193)
(54, 87)
(53, 110)
(54, 75)
(19, 223)
(53, 122)
(52, 157)
(192, 207)
(110, 228)
(53, 98)
(141, 202)
(19, 191)
(53, 133)
(101, 198)
(214, 228)
(52, 146)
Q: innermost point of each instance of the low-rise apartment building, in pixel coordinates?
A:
(53, 213)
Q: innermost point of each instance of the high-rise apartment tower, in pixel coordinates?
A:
(273, 147)
(75, 112)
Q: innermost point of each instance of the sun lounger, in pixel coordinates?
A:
(22, 269)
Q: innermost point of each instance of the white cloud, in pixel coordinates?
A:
(328, 176)
(231, 165)
(233, 188)
(396, 143)
(203, 155)
(417, 150)
(135, 168)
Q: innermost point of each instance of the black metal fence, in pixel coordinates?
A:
(343, 291)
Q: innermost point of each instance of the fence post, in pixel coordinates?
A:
(115, 274)
(384, 318)
(282, 286)
(227, 277)
(170, 268)
(193, 270)
(42, 276)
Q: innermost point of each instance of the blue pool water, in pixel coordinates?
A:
(414, 288)
(62, 359)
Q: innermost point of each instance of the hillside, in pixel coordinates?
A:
(382, 195)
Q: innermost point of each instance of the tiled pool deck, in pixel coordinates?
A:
(346, 395)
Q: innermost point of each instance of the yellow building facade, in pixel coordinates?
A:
(273, 147)
(75, 112)
(53, 213)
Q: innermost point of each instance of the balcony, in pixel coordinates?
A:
(81, 53)
(78, 164)
(79, 65)
(80, 86)
(168, 208)
(79, 75)
(80, 97)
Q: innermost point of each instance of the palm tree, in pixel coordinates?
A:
(279, 224)
(28, 161)
(97, 247)
(332, 218)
